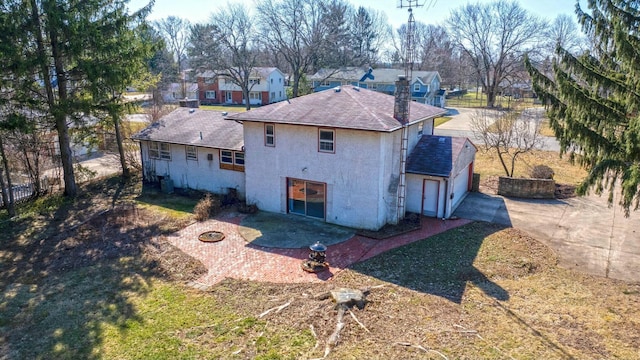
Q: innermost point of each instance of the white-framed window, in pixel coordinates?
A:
(255, 95)
(280, 94)
(159, 150)
(416, 87)
(254, 81)
(273, 95)
(272, 80)
(326, 140)
(325, 83)
(209, 94)
(373, 86)
(232, 160)
(269, 135)
(420, 128)
(192, 152)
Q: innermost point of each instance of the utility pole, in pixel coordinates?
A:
(403, 101)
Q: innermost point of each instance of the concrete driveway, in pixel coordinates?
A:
(587, 235)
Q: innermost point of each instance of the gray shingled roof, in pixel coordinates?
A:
(187, 126)
(349, 108)
(435, 155)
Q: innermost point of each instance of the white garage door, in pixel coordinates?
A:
(460, 186)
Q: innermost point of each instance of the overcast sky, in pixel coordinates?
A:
(433, 11)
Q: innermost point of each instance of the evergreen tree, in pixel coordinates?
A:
(594, 100)
(69, 59)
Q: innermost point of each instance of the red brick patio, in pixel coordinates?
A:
(235, 258)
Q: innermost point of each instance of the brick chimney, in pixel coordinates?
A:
(402, 99)
(190, 103)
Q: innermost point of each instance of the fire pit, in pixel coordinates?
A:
(316, 261)
(211, 236)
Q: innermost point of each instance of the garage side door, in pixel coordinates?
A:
(431, 197)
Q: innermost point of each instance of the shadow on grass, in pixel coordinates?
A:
(68, 269)
(441, 265)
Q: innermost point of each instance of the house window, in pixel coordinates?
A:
(228, 81)
(255, 95)
(326, 140)
(254, 81)
(325, 83)
(269, 135)
(173, 95)
(210, 94)
(280, 94)
(373, 86)
(420, 128)
(158, 150)
(232, 160)
(272, 80)
(192, 152)
(273, 95)
(416, 87)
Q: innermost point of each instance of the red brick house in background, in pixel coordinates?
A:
(267, 87)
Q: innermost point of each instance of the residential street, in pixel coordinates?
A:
(460, 125)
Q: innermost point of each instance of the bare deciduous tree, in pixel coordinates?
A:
(495, 36)
(292, 29)
(176, 31)
(509, 134)
(233, 31)
(563, 31)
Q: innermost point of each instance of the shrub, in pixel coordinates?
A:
(542, 172)
(206, 207)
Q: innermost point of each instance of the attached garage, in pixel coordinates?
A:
(439, 174)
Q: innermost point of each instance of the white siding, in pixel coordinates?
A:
(415, 193)
(202, 174)
(356, 189)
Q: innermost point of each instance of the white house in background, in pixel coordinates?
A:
(195, 149)
(331, 155)
(266, 87)
(173, 92)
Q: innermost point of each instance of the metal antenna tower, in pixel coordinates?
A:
(403, 101)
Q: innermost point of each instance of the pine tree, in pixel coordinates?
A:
(594, 100)
(68, 59)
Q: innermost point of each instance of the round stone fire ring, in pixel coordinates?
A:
(211, 236)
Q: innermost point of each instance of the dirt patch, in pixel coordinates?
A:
(410, 222)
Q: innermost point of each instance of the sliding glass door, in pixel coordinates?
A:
(306, 198)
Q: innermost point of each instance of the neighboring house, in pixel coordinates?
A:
(195, 149)
(267, 85)
(173, 92)
(425, 85)
(333, 155)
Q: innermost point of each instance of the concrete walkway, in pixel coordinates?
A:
(587, 235)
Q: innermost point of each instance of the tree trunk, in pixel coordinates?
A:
(7, 193)
(123, 159)
(70, 188)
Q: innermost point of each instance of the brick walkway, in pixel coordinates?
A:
(233, 257)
